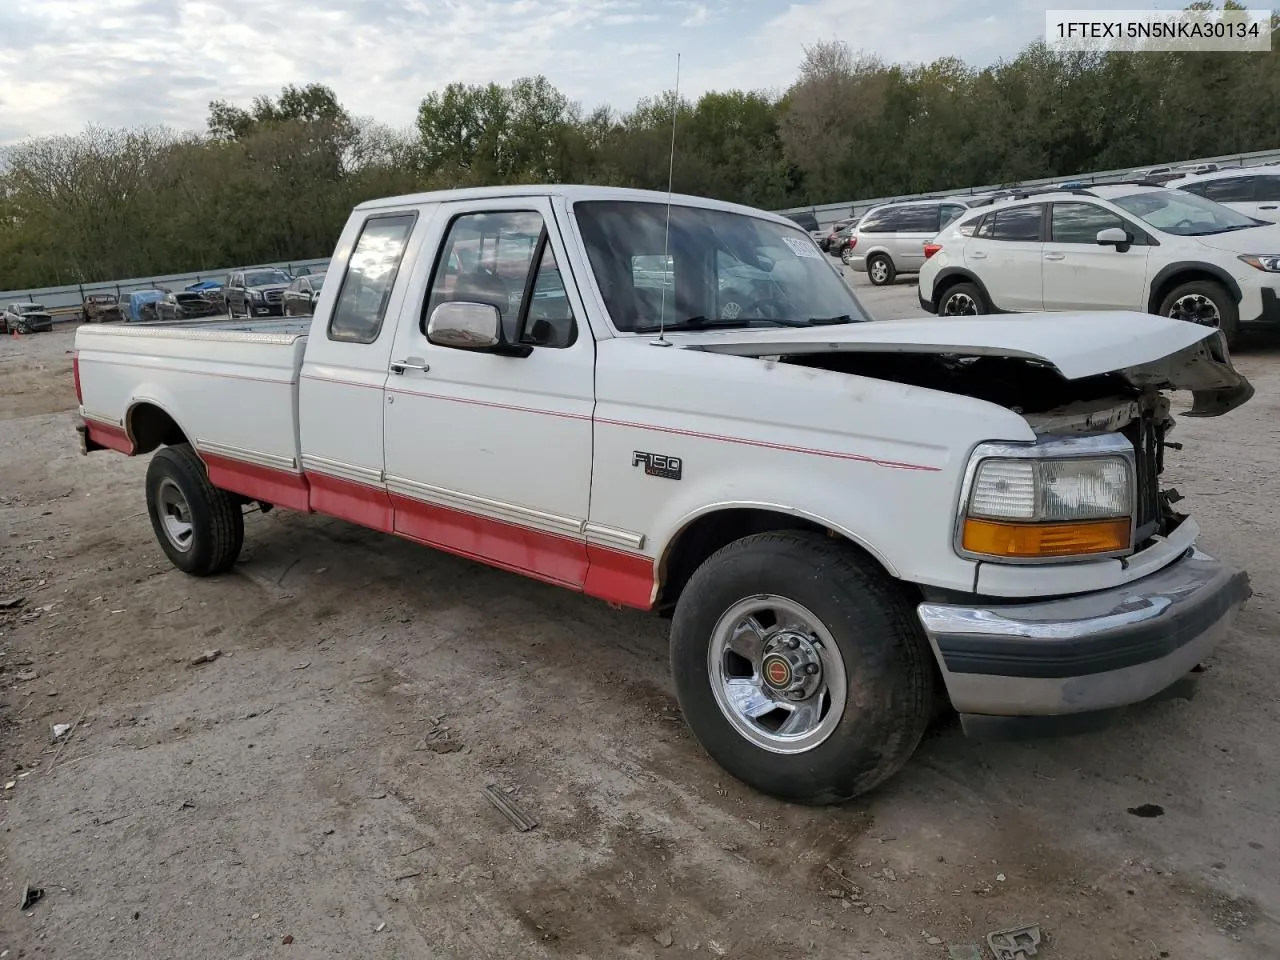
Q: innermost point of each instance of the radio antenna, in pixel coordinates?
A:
(662, 341)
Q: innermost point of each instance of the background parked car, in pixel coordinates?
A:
(211, 290)
(890, 239)
(256, 292)
(1255, 192)
(140, 306)
(301, 295)
(837, 228)
(101, 308)
(26, 318)
(185, 305)
(1110, 247)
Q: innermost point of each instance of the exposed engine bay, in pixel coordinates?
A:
(1050, 403)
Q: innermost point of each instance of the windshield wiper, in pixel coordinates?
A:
(826, 321)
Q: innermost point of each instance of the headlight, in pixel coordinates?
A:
(1269, 262)
(1053, 501)
(255, 294)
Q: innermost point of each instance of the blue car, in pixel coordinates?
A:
(140, 306)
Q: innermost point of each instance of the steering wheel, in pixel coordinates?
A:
(765, 307)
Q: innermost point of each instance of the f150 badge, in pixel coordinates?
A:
(658, 465)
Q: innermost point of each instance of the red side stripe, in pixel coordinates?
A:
(110, 436)
(348, 500)
(279, 487)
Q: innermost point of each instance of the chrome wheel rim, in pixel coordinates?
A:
(1196, 308)
(879, 271)
(846, 255)
(175, 515)
(959, 305)
(777, 674)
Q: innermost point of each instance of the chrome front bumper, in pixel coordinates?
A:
(1092, 653)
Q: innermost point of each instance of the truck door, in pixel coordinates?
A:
(489, 455)
(340, 393)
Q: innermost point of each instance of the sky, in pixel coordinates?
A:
(65, 64)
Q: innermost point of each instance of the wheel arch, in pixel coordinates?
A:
(150, 426)
(701, 533)
(1188, 271)
(948, 277)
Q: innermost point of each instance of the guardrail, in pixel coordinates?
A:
(828, 213)
(64, 302)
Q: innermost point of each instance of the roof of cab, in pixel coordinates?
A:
(572, 193)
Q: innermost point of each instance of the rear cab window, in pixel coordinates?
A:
(370, 277)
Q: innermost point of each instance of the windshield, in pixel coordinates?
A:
(1183, 214)
(722, 269)
(317, 280)
(261, 278)
(32, 308)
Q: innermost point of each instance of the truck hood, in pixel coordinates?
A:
(1150, 352)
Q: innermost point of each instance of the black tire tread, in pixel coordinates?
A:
(858, 581)
(974, 292)
(225, 520)
(891, 276)
(1228, 310)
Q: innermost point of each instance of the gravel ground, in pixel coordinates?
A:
(316, 790)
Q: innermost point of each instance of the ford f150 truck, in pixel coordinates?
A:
(678, 405)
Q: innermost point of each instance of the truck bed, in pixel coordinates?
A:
(229, 386)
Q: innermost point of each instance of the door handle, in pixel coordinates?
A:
(978, 255)
(1055, 256)
(1267, 206)
(409, 363)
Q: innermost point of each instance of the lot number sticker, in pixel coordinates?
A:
(802, 248)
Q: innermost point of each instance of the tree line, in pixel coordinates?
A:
(276, 179)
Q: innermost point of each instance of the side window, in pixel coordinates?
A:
(984, 228)
(1267, 189)
(369, 279)
(1081, 222)
(1018, 223)
(490, 258)
(950, 213)
(550, 322)
(921, 219)
(1230, 190)
(881, 221)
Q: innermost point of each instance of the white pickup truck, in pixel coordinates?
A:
(683, 409)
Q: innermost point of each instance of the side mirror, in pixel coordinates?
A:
(471, 326)
(1114, 237)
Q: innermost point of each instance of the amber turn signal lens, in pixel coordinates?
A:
(1025, 540)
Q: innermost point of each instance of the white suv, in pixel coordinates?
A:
(1254, 191)
(1114, 246)
(890, 239)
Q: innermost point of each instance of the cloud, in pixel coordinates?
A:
(68, 63)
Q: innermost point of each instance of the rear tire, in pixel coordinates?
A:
(1207, 303)
(855, 636)
(199, 527)
(846, 255)
(962, 300)
(880, 270)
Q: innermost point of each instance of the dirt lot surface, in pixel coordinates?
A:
(316, 790)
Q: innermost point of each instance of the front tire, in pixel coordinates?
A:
(800, 668)
(1207, 303)
(880, 270)
(200, 527)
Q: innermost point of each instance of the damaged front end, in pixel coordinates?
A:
(1129, 401)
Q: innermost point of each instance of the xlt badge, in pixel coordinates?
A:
(658, 465)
